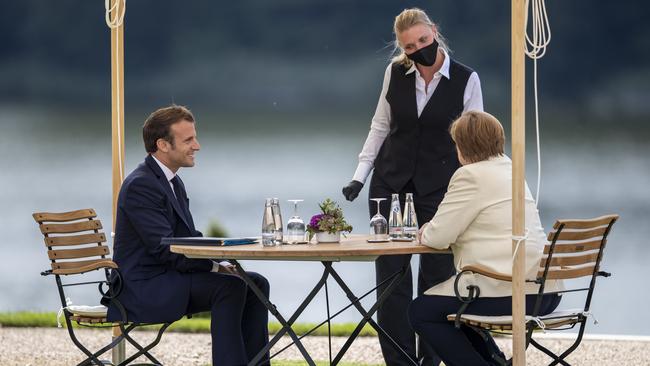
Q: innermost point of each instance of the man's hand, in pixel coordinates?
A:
(228, 268)
(351, 191)
(224, 267)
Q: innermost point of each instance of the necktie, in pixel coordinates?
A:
(180, 196)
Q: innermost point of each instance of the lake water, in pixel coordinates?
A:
(55, 162)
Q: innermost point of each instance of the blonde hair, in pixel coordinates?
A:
(405, 20)
(478, 136)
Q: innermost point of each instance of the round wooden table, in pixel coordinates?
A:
(351, 248)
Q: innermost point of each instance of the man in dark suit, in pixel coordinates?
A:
(161, 286)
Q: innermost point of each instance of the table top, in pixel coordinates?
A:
(352, 248)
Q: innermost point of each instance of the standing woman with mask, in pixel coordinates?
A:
(411, 151)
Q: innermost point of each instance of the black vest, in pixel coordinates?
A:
(421, 149)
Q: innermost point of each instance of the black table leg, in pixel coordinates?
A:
(286, 325)
(354, 301)
(367, 315)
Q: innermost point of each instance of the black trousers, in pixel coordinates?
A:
(239, 324)
(433, 269)
(464, 346)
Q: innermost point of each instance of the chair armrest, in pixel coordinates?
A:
(107, 263)
(487, 272)
(474, 291)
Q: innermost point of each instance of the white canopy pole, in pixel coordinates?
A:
(518, 90)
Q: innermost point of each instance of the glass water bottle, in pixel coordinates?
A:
(410, 218)
(395, 219)
(268, 224)
(277, 219)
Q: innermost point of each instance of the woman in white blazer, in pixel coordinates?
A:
(475, 221)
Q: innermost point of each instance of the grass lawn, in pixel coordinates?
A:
(193, 325)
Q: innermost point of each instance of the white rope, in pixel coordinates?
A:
(59, 314)
(118, 18)
(535, 49)
(539, 320)
(114, 23)
(590, 314)
(519, 239)
(540, 323)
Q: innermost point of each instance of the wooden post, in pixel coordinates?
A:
(117, 102)
(518, 180)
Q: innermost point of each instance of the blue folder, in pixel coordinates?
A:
(207, 241)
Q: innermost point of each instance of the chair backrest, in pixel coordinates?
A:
(74, 241)
(575, 250)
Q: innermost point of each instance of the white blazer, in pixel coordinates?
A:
(475, 220)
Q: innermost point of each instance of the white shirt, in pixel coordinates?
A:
(380, 125)
(170, 175)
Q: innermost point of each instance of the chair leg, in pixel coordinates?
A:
(91, 358)
(141, 350)
(563, 355)
(103, 350)
(556, 358)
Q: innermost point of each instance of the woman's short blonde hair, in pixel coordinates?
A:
(478, 136)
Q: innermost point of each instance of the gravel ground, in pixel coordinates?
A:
(52, 347)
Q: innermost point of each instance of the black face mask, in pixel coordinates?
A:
(425, 56)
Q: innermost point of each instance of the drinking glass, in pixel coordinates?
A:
(378, 224)
(295, 226)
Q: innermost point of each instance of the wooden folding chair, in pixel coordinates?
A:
(75, 246)
(575, 250)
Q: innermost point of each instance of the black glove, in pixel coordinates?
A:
(351, 191)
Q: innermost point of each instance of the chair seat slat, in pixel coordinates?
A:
(87, 213)
(89, 320)
(75, 239)
(74, 227)
(78, 253)
(500, 326)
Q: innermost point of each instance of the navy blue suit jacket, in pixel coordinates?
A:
(156, 287)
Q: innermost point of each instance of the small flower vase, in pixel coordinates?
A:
(324, 237)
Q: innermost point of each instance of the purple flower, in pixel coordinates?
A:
(315, 221)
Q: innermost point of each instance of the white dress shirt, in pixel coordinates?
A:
(170, 175)
(380, 125)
